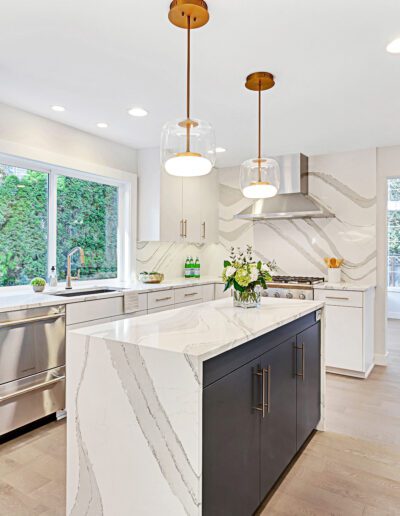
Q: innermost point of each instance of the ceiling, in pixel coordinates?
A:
(336, 87)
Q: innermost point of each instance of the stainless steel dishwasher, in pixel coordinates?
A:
(32, 365)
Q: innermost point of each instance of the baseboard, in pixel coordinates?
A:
(350, 372)
(381, 358)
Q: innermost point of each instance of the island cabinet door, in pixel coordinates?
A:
(231, 443)
(278, 426)
(308, 372)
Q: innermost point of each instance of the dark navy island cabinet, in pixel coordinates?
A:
(261, 401)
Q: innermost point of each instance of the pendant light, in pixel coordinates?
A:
(259, 177)
(188, 145)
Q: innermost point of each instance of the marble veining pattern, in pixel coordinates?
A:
(134, 399)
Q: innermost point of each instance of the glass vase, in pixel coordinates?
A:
(247, 299)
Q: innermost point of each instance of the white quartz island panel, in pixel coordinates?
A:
(134, 402)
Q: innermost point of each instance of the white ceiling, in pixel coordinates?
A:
(337, 88)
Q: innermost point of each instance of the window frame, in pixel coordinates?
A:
(125, 235)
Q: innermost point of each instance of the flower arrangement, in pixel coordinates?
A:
(246, 276)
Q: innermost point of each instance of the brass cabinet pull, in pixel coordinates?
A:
(191, 294)
(182, 234)
(204, 230)
(264, 404)
(163, 298)
(185, 223)
(339, 298)
(303, 354)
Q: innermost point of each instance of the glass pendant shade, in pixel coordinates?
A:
(259, 178)
(188, 148)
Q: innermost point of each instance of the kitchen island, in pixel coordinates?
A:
(196, 411)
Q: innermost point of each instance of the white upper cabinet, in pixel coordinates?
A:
(175, 209)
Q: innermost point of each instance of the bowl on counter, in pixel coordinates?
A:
(151, 277)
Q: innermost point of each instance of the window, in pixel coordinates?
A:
(23, 225)
(87, 215)
(44, 214)
(393, 218)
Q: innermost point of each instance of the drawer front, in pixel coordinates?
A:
(182, 295)
(188, 303)
(161, 298)
(96, 309)
(339, 297)
(160, 309)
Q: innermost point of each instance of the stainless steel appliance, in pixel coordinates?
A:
(32, 365)
(292, 287)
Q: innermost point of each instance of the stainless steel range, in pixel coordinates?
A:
(292, 287)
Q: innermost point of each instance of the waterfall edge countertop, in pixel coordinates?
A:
(22, 297)
(204, 330)
(135, 403)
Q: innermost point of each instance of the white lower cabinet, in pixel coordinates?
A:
(349, 336)
(219, 292)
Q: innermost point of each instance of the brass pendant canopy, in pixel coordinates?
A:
(188, 145)
(259, 177)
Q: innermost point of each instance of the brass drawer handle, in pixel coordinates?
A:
(191, 294)
(265, 404)
(338, 297)
(204, 230)
(163, 298)
(303, 354)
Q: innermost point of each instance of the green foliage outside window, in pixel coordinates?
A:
(87, 216)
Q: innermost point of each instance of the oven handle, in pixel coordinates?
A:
(30, 320)
(31, 388)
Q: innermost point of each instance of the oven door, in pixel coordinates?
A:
(31, 341)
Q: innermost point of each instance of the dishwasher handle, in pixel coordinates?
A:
(50, 317)
(31, 388)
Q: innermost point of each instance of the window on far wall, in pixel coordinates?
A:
(23, 225)
(393, 221)
(87, 216)
(45, 214)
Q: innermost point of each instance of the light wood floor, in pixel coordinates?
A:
(351, 469)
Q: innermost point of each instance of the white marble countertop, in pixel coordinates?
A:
(343, 286)
(22, 298)
(204, 330)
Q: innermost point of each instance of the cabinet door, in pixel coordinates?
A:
(231, 440)
(191, 202)
(171, 229)
(344, 338)
(278, 427)
(308, 372)
(209, 208)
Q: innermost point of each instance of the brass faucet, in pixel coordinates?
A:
(82, 260)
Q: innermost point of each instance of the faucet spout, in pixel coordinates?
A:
(82, 261)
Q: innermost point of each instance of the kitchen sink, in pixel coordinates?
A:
(86, 292)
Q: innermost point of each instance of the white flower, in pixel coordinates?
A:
(264, 267)
(254, 274)
(230, 271)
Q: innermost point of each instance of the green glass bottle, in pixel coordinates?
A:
(197, 268)
(191, 267)
(187, 270)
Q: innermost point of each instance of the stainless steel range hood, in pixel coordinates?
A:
(292, 201)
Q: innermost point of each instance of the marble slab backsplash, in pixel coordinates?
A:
(344, 182)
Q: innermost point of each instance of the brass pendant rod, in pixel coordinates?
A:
(259, 132)
(188, 88)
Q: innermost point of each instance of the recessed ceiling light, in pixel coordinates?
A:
(138, 111)
(58, 108)
(102, 125)
(394, 46)
(220, 149)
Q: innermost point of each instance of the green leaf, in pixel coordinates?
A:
(259, 264)
(238, 287)
(226, 263)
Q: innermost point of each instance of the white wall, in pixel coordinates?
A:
(23, 134)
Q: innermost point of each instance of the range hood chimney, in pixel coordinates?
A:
(292, 201)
